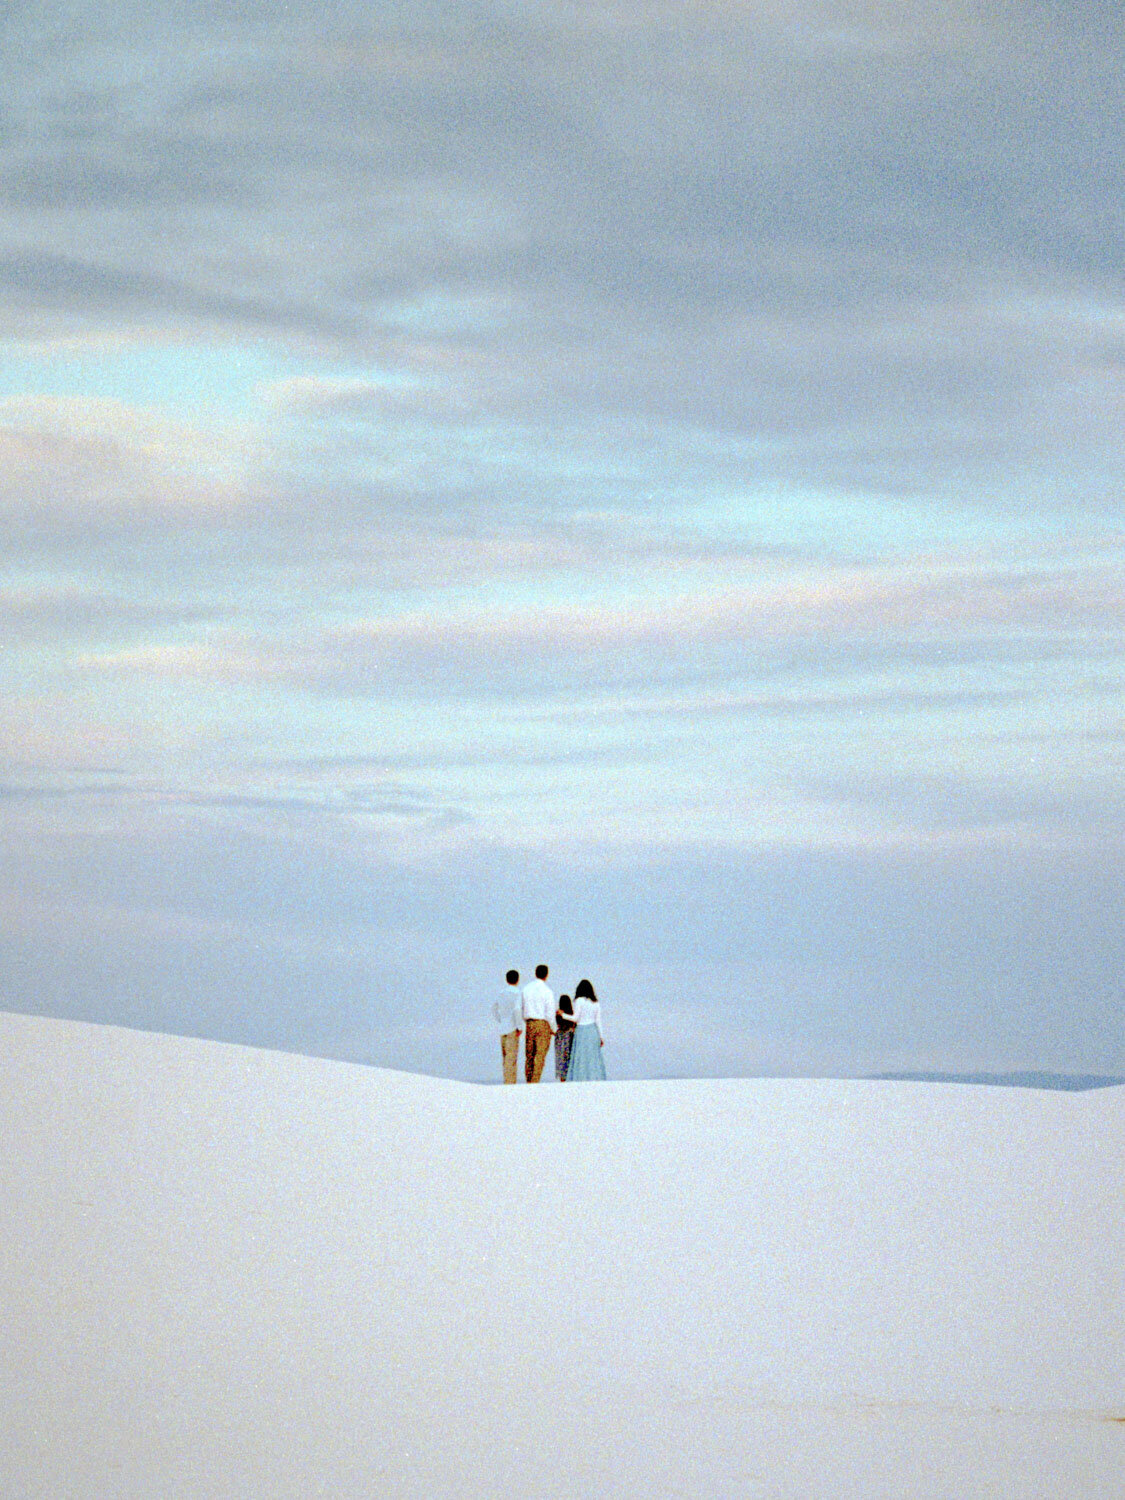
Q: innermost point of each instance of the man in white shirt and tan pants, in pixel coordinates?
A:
(508, 1012)
(538, 1024)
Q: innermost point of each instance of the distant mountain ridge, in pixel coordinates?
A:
(1069, 1081)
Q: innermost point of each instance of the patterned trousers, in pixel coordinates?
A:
(563, 1040)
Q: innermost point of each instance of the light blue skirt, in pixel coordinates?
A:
(585, 1056)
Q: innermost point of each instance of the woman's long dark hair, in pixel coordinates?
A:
(585, 991)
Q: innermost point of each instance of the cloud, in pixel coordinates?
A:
(528, 648)
(828, 230)
(319, 393)
(68, 464)
(40, 280)
(1043, 810)
(303, 800)
(30, 616)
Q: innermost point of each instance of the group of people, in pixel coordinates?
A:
(574, 1025)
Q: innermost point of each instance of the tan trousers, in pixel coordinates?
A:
(536, 1044)
(510, 1053)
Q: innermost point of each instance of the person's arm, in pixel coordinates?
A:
(496, 1016)
(550, 1009)
(598, 1024)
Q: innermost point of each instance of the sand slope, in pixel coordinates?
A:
(228, 1272)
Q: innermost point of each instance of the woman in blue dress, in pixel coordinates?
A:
(586, 1063)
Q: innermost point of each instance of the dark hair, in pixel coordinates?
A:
(585, 991)
(513, 976)
(540, 971)
(565, 1005)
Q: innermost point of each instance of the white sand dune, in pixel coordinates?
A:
(228, 1272)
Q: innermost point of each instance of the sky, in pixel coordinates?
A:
(632, 486)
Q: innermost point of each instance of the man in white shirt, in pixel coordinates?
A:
(508, 1011)
(538, 1024)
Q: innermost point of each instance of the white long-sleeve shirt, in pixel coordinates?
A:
(508, 1011)
(539, 1002)
(588, 1013)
